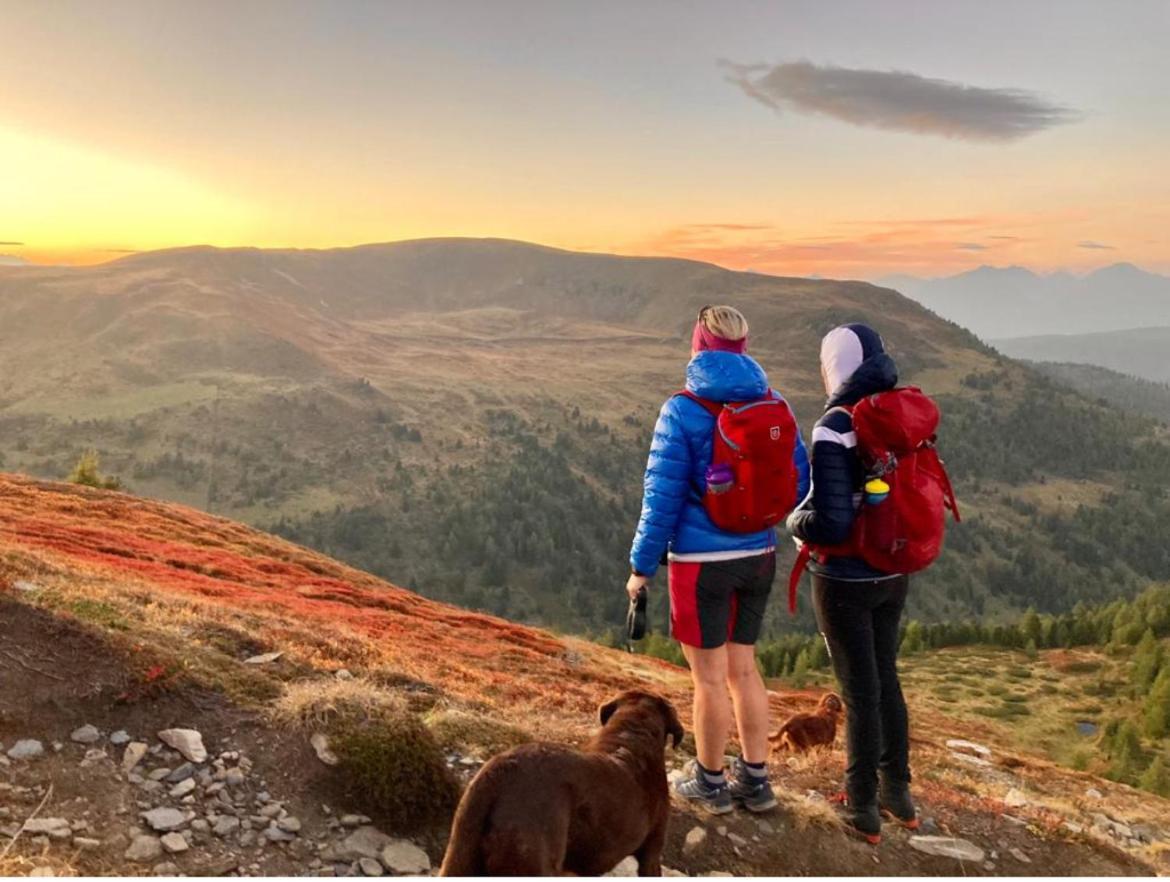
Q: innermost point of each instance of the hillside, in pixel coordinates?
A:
(1009, 302)
(120, 617)
(1137, 351)
(1124, 391)
(470, 417)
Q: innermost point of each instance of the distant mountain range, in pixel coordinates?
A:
(1007, 302)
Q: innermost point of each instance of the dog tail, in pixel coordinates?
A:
(777, 737)
(464, 856)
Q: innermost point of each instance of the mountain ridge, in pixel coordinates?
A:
(470, 418)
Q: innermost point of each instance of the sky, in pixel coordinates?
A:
(842, 139)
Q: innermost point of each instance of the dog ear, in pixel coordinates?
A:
(607, 710)
(674, 727)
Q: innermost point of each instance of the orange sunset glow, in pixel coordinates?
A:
(148, 126)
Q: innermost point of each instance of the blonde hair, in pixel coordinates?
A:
(725, 321)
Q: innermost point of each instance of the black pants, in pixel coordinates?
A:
(860, 623)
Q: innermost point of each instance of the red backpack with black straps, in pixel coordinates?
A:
(900, 529)
(751, 454)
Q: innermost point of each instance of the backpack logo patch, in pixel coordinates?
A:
(775, 433)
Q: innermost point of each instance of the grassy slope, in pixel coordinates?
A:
(171, 572)
(1139, 352)
(1036, 703)
(1129, 393)
(199, 594)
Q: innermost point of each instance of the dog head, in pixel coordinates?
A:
(671, 724)
(831, 704)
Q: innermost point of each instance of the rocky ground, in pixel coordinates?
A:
(1023, 831)
(162, 803)
(172, 802)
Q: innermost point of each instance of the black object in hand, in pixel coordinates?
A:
(636, 617)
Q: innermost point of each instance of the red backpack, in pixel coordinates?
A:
(755, 442)
(903, 532)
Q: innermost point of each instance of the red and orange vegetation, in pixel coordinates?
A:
(177, 564)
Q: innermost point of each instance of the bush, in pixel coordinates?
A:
(1156, 778)
(1124, 747)
(1157, 710)
(394, 769)
(87, 472)
(662, 646)
(390, 764)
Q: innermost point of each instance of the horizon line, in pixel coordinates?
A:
(118, 255)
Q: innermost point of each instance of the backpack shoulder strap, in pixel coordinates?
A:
(712, 407)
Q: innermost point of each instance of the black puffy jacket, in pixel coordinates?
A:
(826, 516)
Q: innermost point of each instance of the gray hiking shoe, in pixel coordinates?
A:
(693, 786)
(753, 793)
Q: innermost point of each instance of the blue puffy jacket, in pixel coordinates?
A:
(673, 516)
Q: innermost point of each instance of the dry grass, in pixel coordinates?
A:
(807, 812)
(325, 703)
(474, 733)
(13, 866)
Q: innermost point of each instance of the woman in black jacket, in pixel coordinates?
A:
(858, 608)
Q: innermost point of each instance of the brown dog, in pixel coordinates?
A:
(546, 809)
(803, 732)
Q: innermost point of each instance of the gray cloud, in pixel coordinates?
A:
(1007, 238)
(970, 246)
(12, 243)
(1089, 243)
(899, 100)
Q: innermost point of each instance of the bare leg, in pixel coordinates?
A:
(712, 708)
(750, 698)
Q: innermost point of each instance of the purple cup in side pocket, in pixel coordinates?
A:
(720, 478)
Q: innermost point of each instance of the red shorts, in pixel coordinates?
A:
(716, 601)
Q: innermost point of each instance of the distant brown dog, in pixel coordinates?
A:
(546, 809)
(803, 732)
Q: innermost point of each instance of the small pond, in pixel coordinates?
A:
(1086, 727)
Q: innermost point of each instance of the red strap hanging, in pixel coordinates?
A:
(802, 558)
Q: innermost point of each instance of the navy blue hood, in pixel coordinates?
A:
(878, 373)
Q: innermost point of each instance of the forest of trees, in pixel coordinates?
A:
(537, 531)
(538, 527)
(1132, 394)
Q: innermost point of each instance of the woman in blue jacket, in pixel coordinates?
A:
(719, 581)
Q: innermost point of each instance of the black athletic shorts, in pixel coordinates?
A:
(716, 601)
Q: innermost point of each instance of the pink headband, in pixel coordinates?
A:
(702, 340)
